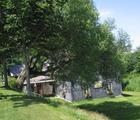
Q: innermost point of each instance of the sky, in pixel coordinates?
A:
(126, 14)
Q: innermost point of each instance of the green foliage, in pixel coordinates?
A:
(66, 33)
(109, 63)
(123, 44)
(135, 60)
(12, 82)
(132, 61)
(7, 50)
(131, 82)
(123, 41)
(77, 58)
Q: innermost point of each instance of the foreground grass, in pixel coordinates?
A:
(16, 106)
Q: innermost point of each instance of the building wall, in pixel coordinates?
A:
(47, 89)
(40, 89)
(98, 92)
(77, 92)
(63, 90)
(68, 92)
(102, 92)
(117, 88)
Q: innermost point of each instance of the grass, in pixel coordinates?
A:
(16, 106)
(125, 107)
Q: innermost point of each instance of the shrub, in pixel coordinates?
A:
(131, 82)
(12, 82)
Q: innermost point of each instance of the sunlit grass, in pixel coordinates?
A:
(16, 106)
(125, 107)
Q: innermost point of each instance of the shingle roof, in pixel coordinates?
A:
(39, 79)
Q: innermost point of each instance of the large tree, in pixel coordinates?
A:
(67, 34)
(5, 38)
(38, 25)
(109, 62)
(63, 31)
(77, 59)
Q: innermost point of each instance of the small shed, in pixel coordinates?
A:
(41, 85)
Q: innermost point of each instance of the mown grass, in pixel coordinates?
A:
(125, 107)
(16, 106)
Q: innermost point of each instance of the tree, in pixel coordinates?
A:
(109, 62)
(35, 21)
(133, 62)
(76, 61)
(67, 34)
(72, 45)
(123, 41)
(5, 47)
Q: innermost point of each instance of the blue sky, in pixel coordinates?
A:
(126, 14)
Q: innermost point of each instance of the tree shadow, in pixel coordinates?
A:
(126, 95)
(114, 110)
(11, 89)
(1, 86)
(20, 100)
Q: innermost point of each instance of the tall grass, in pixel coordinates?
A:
(131, 82)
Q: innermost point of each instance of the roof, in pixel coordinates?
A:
(39, 79)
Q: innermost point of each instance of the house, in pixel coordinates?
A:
(44, 86)
(40, 85)
(70, 92)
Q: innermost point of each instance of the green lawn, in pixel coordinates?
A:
(16, 106)
(126, 107)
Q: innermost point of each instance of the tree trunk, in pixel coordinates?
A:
(5, 73)
(26, 56)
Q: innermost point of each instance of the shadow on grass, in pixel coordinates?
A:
(1, 86)
(20, 100)
(23, 101)
(126, 95)
(11, 89)
(115, 110)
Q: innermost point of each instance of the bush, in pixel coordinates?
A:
(12, 82)
(131, 82)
